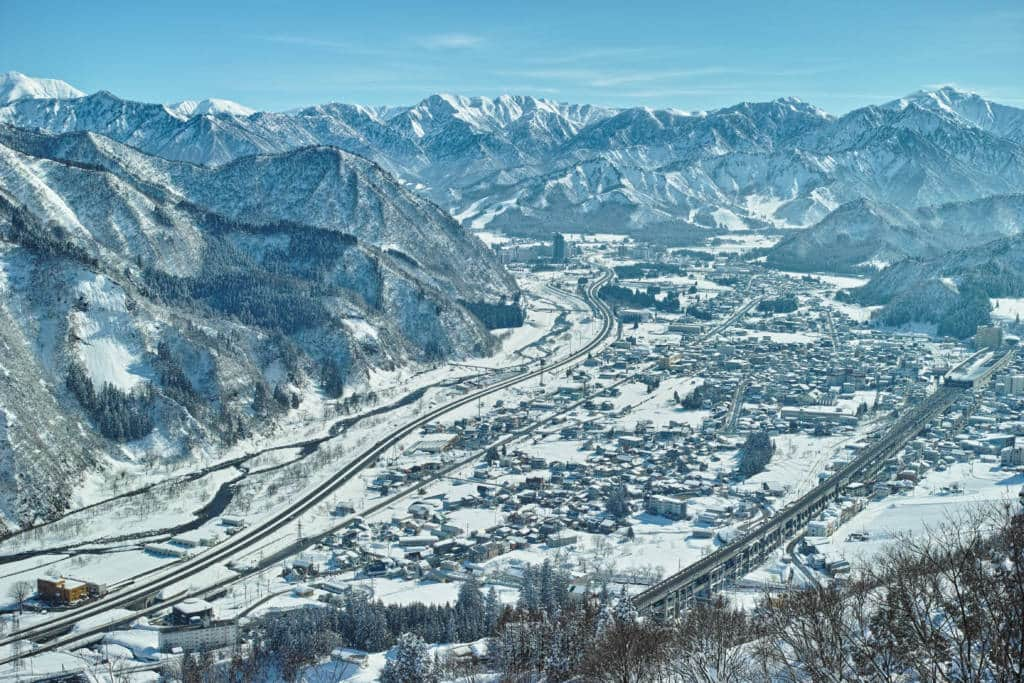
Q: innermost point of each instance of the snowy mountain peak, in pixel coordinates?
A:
(17, 86)
(217, 107)
(967, 107)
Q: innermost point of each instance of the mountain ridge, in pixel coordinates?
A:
(781, 163)
(208, 299)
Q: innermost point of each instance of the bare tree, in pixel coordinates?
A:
(708, 645)
(627, 652)
(20, 592)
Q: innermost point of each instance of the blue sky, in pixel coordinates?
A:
(270, 55)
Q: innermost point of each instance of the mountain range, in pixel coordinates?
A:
(530, 165)
(174, 277)
(153, 309)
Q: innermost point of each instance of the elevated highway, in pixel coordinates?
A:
(731, 562)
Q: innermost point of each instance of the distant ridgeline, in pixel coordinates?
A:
(497, 316)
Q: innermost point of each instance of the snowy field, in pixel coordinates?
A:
(1007, 310)
(924, 508)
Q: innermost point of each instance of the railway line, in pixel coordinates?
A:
(143, 591)
(732, 561)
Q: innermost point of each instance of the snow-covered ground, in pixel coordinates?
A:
(1007, 310)
(925, 507)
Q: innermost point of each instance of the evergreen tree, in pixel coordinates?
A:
(558, 662)
(756, 452)
(451, 629)
(617, 504)
(492, 610)
(469, 610)
(529, 598)
(410, 662)
(625, 612)
(547, 588)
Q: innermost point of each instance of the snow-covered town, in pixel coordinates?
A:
(466, 342)
(717, 394)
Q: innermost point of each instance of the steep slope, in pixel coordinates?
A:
(951, 290)
(866, 235)
(17, 86)
(165, 309)
(999, 119)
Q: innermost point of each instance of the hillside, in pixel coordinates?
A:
(864, 235)
(951, 290)
(158, 309)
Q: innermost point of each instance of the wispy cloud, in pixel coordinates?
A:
(617, 78)
(591, 55)
(322, 44)
(450, 41)
(654, 76)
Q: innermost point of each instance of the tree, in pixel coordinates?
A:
(529, 591)
(626, 652)
(469, 610)
(20, 592)
(617, 504)
(757, 450)
(409, 662)
(706, 645)
(492, 610)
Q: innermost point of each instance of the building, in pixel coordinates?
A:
(435, 443)
(199, 637)
(1013, 456)
(988, 337)
(191, 612)
(62, 591)
(558, 249)
(667, 506)
(634, 315)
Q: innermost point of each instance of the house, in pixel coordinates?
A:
(62, 591)
(562, 539)
(192, 611)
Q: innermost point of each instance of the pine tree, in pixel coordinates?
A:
(492, 611)
(557, 661)
(529, 598)
(410, 662)
(469, 610)
(451, 628)
(547, 594)
(625, 612)
(617, 504)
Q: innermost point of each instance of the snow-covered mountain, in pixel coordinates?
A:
(205, 297)
(951, 290)
(1004, 121)
(17, 86)
(188, 108)
(864, 235)
(536, 165)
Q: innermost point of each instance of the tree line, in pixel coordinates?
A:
(119, 415)
(942, 607)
